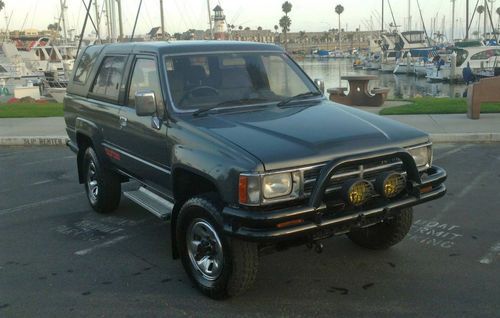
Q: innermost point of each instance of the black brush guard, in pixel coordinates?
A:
(256, 225)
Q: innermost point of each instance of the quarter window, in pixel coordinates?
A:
(109, 78)
(86, 63)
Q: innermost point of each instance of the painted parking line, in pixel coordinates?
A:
(45, 161)
(451, 203)
(493, 253)
(452, 151)
(40, 203)
(102, 245)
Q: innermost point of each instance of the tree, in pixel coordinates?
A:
(52, 27)
(2, 5)
(285, 21)
(339, 9)
(286, 7)
(259, 28)
(302, 36)
(240, 28)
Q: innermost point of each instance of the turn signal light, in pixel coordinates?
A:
(243, 189)
(289, 223)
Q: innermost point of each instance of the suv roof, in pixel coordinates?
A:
(179, 47)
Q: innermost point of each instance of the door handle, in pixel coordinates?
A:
(123, 121)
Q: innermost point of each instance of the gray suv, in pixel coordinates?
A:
(239, 149)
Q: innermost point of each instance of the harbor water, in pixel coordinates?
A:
(402, 86)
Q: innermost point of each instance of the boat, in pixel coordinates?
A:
(479, 58)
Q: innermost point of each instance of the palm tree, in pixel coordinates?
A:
(276, 27)
(326, 39)
(285, 21)
(302, 38)
(339, 9)
(286, 7)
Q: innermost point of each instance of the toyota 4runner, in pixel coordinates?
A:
(239, 149)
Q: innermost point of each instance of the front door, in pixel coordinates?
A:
(145, 147)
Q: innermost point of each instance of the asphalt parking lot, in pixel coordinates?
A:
(58, 258)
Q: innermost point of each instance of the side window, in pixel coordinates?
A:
(145, 76)
(109, 77)
(86, 63)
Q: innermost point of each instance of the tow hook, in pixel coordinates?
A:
(318, 246)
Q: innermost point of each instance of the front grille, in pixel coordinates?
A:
(368, 171)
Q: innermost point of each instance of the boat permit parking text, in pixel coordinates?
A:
(435, 234)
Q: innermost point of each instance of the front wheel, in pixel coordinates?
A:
(385, 234)
(219, 266)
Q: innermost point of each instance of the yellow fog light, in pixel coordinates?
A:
(390, 185)
(358, 192)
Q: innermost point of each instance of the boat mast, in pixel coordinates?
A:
(485, 21)
(120, 20)
(467, 19)
(7, 35)
(409, 15)
(113, 20)
(63, 18)
(382, 29)
(108, 24)
(453, 20)
(162, 21)
(210, 20)
(423, 25)
(97, 19)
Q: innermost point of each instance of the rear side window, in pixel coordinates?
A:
(109, 77)
(86, 62)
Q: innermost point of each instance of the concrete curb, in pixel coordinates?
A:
(436, 138)
(466, 138)
(33, 141)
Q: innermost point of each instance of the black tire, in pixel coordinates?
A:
(106, 197)
(386, 234)
(239, 259)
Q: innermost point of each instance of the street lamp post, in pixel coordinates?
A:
(339, 9)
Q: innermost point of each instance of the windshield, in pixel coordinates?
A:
(205, 81)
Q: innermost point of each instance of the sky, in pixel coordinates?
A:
(180, 15)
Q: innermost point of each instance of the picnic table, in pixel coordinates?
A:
(359, 93)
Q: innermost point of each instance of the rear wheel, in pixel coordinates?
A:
(219, 266)
(386, 234)
(102, 186)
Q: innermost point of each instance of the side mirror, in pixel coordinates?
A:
(145, 103)
(320, 84)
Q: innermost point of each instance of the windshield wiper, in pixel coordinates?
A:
(235, 102)
(297, 97)
(203, 111)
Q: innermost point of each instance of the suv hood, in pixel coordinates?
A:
(308, 134)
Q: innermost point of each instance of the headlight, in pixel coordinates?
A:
(422, 156)
(277, 185)
(257, 189)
